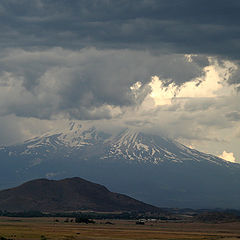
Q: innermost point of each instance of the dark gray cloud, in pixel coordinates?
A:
(186, 26)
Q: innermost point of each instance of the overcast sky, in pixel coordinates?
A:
(166, 67)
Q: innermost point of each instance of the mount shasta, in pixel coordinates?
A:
(150, 168)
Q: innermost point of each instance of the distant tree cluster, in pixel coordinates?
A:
(216, 217)
(80, 219)
(22, 214)
(86, 215)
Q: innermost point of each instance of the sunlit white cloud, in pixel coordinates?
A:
(228, 156)
(214, 83)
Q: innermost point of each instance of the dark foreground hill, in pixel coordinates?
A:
(70, 194)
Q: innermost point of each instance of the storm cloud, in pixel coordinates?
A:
(200, 27)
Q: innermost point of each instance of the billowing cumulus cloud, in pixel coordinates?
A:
(85, 84)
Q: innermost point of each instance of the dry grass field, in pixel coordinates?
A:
(48, 228)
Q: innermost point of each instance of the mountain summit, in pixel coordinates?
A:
(147, 167)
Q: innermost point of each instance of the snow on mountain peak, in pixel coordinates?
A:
(128, 145)
(77, 135)
(134, 145)
(73, 135)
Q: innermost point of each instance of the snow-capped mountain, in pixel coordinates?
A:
(128, 145)
(132, 145)
(151, 168)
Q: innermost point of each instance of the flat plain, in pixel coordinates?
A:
(58, 229)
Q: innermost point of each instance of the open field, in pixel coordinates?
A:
(48, 228)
